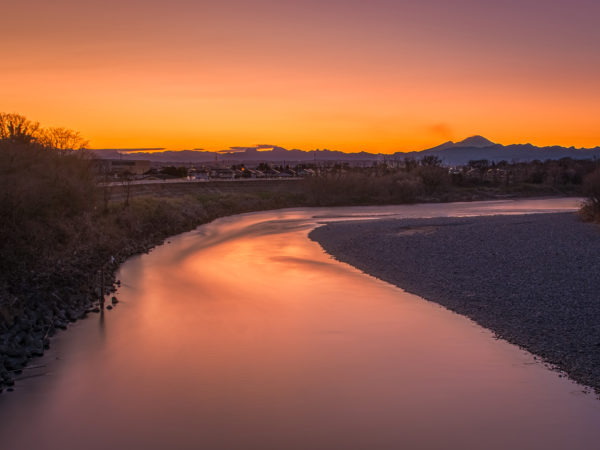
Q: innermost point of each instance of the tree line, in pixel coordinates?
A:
(18, 129)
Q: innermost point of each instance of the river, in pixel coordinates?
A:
(245, 334)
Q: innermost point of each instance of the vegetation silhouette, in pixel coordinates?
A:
(590, 210)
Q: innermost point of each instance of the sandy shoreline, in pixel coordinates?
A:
(532, 279)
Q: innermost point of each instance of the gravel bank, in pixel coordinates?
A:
(532, 279)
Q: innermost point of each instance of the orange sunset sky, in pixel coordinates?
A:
(380, 76)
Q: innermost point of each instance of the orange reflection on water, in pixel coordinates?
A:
(245, 334)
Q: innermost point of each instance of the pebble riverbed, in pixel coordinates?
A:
(532, 279)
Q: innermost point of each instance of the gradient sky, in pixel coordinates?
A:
(347, 75)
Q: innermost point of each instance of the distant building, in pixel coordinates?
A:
(306, 173)
(117, 166)
(195, 174)
(222, 173)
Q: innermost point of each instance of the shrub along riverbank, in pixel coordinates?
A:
(59, 236)
(590, 211)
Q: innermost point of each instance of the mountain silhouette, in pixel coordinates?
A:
(475, 141)
(451, 153)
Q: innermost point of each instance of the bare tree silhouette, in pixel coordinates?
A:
(62, 139)
(17, 128)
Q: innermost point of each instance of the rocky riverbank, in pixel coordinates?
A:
(57, 298)
(532, 279)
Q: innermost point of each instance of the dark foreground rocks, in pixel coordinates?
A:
(532, 279)
(52, 301)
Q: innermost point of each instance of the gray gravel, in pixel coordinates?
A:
(532, 279)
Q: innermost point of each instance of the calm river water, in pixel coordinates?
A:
(244, 334)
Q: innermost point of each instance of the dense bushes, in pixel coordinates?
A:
(348, 188)
(433, 178)
(40, 191)
(52, 223)
(591, 188)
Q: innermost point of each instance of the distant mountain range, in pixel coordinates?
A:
(451, 153)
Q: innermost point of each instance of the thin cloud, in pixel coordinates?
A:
(441, 130)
